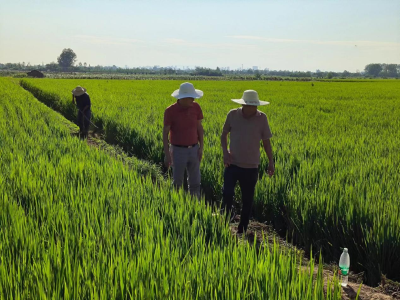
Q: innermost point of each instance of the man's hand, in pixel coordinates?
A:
(168, 160)
(200, 153)
(271, 169)
(227, 159)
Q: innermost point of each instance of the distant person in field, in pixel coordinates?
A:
(247, 127)
(182, 122)
(82, 101)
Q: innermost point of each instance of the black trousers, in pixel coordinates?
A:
(83, 120)
(247, 181)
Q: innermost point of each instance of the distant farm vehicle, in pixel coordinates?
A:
(35, 74)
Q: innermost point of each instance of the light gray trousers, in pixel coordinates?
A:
(186, 159)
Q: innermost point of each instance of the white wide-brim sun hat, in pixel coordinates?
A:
(250, 97)
(78, 91)
(187, 90)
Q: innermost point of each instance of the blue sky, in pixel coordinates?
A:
(285, 35)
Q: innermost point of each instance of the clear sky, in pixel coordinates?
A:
(283, 35)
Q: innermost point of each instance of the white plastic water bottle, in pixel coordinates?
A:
(344, 265)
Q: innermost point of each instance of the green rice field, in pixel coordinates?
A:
(78, 223)
(336, 146)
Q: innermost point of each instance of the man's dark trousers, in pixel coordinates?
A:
(84, 122)
(247, 180)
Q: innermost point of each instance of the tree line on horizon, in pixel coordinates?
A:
(66, 62)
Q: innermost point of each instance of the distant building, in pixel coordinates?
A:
(255, 68)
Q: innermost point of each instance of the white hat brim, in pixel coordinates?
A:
(78, 93)
(241, 101)
(197, 94)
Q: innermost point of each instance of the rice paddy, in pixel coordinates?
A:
(79, 223)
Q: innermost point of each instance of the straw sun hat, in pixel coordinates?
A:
(250, 97)
(78, 91)
(187, 90)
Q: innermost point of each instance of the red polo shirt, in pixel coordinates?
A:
(183, 122)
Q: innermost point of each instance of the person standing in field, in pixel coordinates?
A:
(82, 100)
(247, 126)
(182, 121)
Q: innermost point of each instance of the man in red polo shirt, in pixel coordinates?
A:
(182, 121)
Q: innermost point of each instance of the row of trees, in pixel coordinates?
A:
(383, 70)
(84, 67)
(67, 62)
(206, 71)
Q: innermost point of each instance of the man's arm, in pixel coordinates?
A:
(200, 133)
(224, 141)
(268, 150)
(167, 159)
(224, 144)
(166, 130)
(86, 102)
